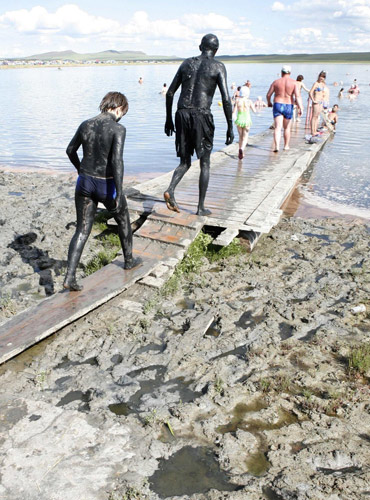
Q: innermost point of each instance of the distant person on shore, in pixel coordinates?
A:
(199, 77)
(99, 180)
(286, 92)
(164, 89)
(319, 94)
(141, 80)
(300, 86)
(259, 103)
(242, 117)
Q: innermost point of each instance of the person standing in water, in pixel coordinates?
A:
(199, 77)
(99, 180)
(319, 94)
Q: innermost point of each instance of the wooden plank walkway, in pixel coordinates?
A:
(243, 196)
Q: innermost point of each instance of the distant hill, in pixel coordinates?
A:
(132, 55)
(106, 55)
(339, 57)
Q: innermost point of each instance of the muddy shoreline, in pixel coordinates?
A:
(235, 386)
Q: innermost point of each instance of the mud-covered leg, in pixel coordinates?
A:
(125, 235)
(178, 174)
(85, 210)
(203, 183)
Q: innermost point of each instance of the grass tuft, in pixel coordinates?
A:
(199, 249)
(359, 359)
(100, 260)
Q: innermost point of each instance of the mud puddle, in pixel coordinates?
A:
(72, 396)
(189, 471)
(155, 388)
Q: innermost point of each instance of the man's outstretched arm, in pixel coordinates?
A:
(169, 127)
(226, 104)
(72, 150)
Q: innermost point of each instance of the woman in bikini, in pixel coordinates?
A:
(243, 121)
(319, 95)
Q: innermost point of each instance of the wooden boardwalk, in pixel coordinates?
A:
(244, 195)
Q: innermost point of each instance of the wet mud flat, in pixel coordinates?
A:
(37, 222)
(236, 386)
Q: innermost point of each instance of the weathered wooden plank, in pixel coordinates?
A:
(226, 237)
(51, 314)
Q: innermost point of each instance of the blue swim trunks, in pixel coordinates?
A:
(103, 190)
(286, 110)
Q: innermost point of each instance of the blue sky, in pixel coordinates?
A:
(159, 27)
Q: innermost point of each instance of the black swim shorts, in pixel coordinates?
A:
(194, 132)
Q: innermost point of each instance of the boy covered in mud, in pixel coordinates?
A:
(100, 180)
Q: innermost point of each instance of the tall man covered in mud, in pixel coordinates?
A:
(198, 77)
(100, 179)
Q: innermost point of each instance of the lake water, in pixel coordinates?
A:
(42, 107)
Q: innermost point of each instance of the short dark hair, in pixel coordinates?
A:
(113, 100)
(335, 106)
(299, 78)
(323, 74)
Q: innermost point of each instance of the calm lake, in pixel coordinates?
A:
(42, 107)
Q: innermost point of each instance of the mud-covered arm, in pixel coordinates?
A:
(271, 90)
(169, 127)
(72, 150)
(226, 104)
(117, 164)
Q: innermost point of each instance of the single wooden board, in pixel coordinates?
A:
(51, 314)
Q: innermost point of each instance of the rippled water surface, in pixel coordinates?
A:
(42, 107)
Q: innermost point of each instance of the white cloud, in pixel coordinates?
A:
(209, 22)
(313, 40)
(360, 42)
(168, 29)
(68, 19)
(278, 6)
(70, 27)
